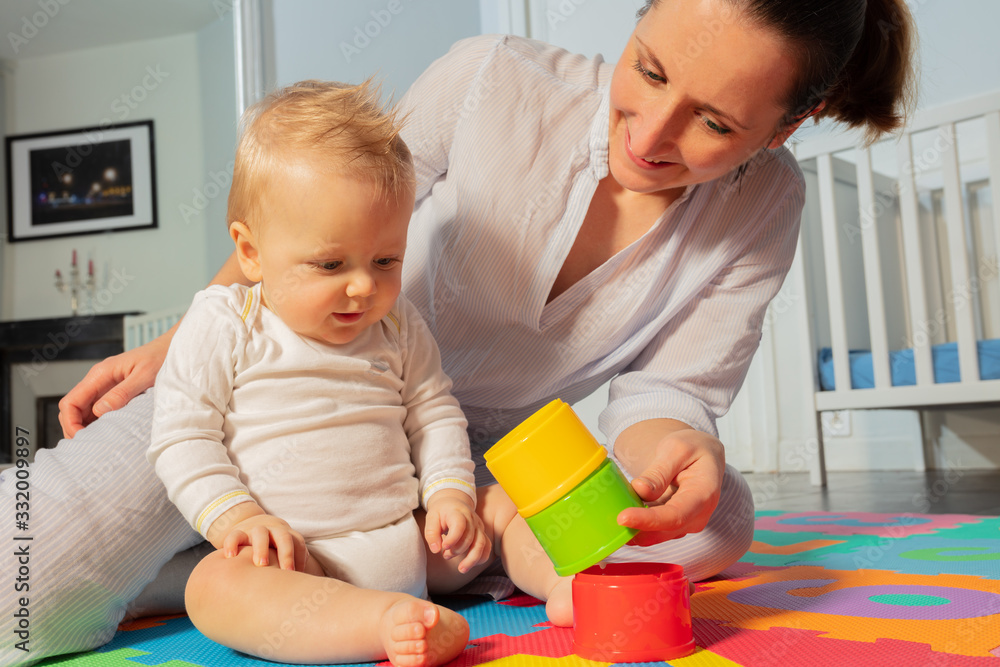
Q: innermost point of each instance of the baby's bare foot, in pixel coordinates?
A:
(559, 607)
(418, 633)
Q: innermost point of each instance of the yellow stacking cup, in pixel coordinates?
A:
(544, 457)
(564, 485)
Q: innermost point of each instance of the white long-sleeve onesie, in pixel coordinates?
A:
(334, 439)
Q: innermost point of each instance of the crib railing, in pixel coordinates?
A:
(140, 329)
(835, 227)
(888, 223)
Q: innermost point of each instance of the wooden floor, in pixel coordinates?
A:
(931, 492)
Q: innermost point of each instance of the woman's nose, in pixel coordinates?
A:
(655, 130)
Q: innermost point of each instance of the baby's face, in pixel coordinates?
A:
(331, 252)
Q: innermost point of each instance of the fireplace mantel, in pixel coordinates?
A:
(37, 343)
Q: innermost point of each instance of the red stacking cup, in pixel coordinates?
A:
(632, 612)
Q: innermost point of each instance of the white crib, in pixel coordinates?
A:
(140, 329)
(899, 249)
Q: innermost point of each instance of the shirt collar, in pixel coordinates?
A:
(599, 134)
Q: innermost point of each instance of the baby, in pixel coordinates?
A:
(306, 417)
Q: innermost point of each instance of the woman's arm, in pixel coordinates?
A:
(662, 409)
(115, 381)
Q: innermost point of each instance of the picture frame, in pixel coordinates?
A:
(81, 181)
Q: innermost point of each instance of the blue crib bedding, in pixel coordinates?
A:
(902, 368)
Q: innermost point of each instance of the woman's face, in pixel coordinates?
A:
(696, 93)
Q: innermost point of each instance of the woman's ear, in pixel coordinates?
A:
(787, 131)
(246, 250)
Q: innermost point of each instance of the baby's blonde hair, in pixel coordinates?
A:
(341, 129)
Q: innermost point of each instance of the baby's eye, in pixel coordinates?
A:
(329, 266)
(386, 262)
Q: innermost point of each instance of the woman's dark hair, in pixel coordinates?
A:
(855, 55)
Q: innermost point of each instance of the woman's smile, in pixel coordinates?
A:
(641, 162)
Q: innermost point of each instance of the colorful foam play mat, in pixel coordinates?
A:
(815, 589)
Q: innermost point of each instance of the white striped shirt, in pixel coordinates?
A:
(510, 138)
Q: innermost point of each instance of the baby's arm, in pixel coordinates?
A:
(439, 447)
(193, 389)
(453, 528)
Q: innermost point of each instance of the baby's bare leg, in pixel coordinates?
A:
(522, 556)
(306, 617)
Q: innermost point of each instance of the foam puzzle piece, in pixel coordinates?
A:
(523, 617)
(819, 589)
(780, 646)
(862, 523)
(950, 613)
(168, 642)
(767, 546)
(919, 554)
(117, 658)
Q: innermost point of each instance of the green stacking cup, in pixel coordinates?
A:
(566, 488)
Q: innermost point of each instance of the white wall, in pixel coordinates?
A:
(350, 41)
(157, 268)
(589, 27)
(957, 47)
(217, 79)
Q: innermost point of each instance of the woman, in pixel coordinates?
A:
(574, 224)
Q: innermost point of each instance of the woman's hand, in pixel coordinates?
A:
(112, 383)
(678, 473)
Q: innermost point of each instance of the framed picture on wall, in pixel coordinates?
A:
(82, 181)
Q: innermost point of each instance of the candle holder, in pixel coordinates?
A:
(77, 286)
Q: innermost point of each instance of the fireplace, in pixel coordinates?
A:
(47, 428)
(40, 360)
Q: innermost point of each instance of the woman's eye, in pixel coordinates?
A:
(649, 74)
(718, 129)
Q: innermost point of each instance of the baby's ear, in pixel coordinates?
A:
(246, 250)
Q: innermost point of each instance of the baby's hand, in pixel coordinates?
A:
(262, 532)
(454, 529)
